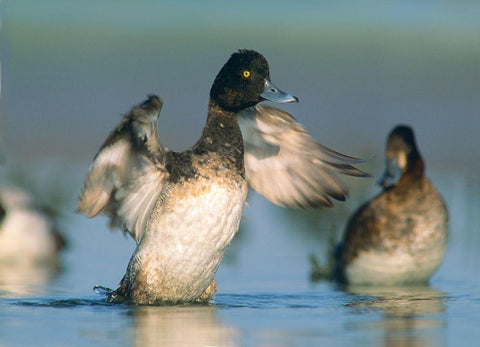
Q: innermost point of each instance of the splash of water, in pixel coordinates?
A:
(112, 295)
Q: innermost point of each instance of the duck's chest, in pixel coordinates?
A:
(415, 219)
(201, 210)
(185, 241)
(189, 233)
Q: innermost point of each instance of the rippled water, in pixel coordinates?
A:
(410, 316)
(358, 70)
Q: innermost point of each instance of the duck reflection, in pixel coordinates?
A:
(411, 316)
(191, 325)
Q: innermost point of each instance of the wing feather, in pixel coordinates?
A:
(127, 174)
(286, 165)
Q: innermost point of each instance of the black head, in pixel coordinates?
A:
(402, 155)
(244, 81)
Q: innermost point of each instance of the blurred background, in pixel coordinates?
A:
(69, 70)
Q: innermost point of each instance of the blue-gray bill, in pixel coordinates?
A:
(392, 173)
(272, 93)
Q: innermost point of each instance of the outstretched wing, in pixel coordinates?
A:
(286, 165)
(128, 172)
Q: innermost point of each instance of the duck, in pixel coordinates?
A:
(29, 235)
(399, 237)
(183, 208)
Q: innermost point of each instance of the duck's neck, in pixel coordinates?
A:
(222, 135)
(415, 165)
(414, 174)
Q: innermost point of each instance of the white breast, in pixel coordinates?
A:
(398, 267)
(185, 242)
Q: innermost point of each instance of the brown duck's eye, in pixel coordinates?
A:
(246, 74)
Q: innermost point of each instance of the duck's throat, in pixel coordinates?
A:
(222, 136)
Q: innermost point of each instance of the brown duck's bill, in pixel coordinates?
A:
(272, 93)
(392, 173)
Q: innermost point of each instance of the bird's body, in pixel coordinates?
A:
(194, 220)
(28, 234)
(182, 247)
(399, 237)
(183, 209)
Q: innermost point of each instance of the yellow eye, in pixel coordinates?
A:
(246, 74)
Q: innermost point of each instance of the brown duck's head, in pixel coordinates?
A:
(402, 156)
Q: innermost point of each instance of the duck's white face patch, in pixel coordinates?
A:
(397, 149)
(402, 160)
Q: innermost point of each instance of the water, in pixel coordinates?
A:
(358, 71)
(265, 296)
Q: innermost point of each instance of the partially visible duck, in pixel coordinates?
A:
(183, 208)
(399, 237)
(28, 233)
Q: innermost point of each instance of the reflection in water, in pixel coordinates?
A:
(181, 326)
(25, 279)
(411, 316)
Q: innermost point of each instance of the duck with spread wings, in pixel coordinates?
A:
(183, 208)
